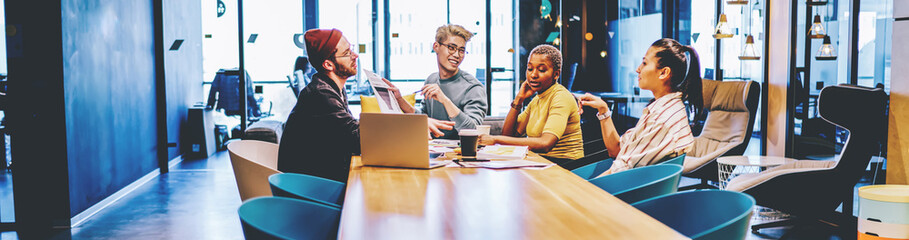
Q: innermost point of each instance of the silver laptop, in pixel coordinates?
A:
(395, 140)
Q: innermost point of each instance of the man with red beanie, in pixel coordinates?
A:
(320, 134)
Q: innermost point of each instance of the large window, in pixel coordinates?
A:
(632, 41)
(354, 19)
(412, 29)
(269, 54)
(874, 43)
(865, 62)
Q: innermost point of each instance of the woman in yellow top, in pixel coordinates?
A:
(551, 125)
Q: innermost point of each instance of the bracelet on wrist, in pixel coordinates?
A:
(516, 106)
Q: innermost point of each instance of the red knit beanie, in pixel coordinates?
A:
(320, 43)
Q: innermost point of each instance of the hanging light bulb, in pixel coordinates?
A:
(817, 30)
(827, 52)
(558, 21)
(737, 2)
(817, 2)
(722, 28)
(748, 53)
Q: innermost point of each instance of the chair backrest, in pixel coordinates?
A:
(861, 111)
(287, 218)
(495, 124)
(679, 160)
(593, 170)
(253, 161)
(702, 214)
(732, 107)
(306, 187)
(570, 75)
(641, 183)
(225, 91)
(369, 104)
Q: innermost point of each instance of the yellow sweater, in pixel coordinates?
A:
(555, 111)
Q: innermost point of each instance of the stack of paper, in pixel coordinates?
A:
(502, 164)
(502, 152)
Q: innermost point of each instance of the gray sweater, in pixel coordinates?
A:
(466, 92)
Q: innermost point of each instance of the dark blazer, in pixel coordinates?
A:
(320, 134)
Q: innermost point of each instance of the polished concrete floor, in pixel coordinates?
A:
(198, 199)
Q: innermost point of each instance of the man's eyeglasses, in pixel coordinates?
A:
(350, 52)
(454, 48)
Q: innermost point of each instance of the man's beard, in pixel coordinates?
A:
(344, 71)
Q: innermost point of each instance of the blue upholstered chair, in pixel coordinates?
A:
(593, 170)
(641, 183)
(287, 218)
(702, 215)
(306, 187)
(680, 160)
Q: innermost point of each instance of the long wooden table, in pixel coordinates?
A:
(471, 203)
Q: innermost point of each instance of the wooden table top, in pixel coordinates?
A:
(476, 203)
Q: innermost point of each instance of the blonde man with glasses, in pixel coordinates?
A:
(451, 95)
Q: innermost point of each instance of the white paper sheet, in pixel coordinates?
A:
(387, 101)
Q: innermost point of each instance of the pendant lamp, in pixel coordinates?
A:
(827, 52)
(817, 30)
(722, 28)
(748, 53)
(817, 2)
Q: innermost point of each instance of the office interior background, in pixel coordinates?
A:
(98, 93)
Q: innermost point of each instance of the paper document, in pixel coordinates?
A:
(444, 143)
(386, 99)
(502, 152)
(503, 164)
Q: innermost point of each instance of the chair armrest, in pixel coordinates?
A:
(746, 181)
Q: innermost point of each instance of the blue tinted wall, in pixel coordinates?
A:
(109, 87)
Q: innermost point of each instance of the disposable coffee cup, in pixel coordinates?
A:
(468, 142)
(483, 129)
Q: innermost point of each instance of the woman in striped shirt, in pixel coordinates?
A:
(671, 71)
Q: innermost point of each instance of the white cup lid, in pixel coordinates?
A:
(468, 132)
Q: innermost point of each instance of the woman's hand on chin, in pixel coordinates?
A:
(525, 92)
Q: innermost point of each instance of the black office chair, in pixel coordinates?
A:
(225, 94)
(812, 190)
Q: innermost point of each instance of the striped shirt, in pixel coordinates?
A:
(661, 133)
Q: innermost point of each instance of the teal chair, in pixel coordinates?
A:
(287, 218)
(680, 160)
(306, 187)
(593, 170)
(704, 214)
(641, 183)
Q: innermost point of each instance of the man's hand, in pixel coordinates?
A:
(394, 90)
(433, 91)
(436, 126)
